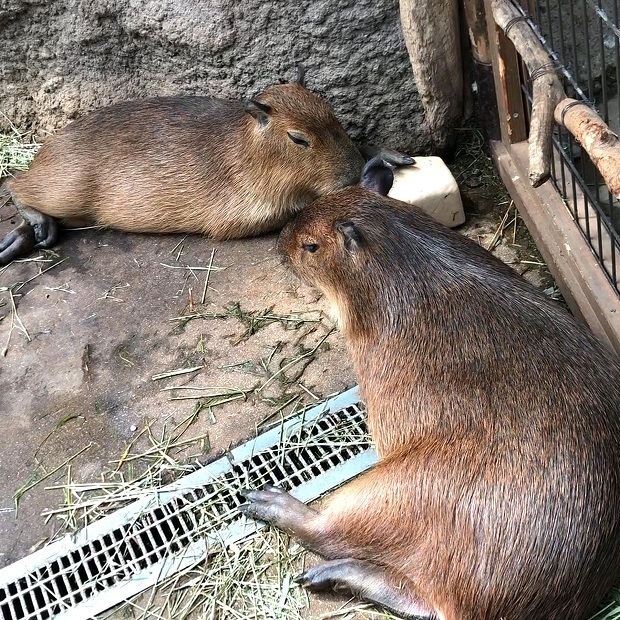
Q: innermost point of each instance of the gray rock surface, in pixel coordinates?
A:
(64, 58)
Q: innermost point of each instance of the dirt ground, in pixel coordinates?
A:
(85, 338)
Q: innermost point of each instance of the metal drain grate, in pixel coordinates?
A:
(170, 529)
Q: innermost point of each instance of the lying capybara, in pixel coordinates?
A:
(186, 164)
(496, 417)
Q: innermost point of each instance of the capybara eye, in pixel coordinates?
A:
(298, 139)
(310, 247)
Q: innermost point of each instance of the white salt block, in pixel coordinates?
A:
(429, 184)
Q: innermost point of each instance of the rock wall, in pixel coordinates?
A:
(60, 59)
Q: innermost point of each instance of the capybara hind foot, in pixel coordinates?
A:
(17, 243)
(45, 227)
(274, 505)
(369, 582)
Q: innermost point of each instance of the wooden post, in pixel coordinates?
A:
(507, 82)
(431, 30)
(475, 25)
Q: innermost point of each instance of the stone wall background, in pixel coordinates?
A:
(62, 58)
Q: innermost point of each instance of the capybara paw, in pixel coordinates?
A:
(395, 158)
(389, 156)
(46, 231)
(274, 505)
(17, 243)
(322, 578)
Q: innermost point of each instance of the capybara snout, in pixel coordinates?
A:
(496, 416)
(226, 169)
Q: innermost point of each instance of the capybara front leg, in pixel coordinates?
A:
(364, 579)
(368, 582)
(17, 243)
(274, 505)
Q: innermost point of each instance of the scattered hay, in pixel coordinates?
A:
(175, 373)
(161, 460)
(16, 152)
(473, 168)
(253, 578)
(279, 373)
(252, 320)
(206, 286)
(12, 291)
(255, 320)
(37, 477)
(306, 357)
(503, 225)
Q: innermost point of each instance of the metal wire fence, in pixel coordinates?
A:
(583, 38)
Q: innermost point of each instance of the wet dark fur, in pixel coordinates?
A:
(495, 413)
(185, 164)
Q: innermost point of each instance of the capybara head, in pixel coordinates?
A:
(297, 132)
(335, 243)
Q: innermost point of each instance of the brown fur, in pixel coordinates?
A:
(191, 164)
(496, 416)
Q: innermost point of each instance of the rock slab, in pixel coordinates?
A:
(61, 59)
(430, 185)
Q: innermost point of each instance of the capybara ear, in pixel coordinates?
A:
(260, 111)
(300, 75)
(351, 235)
(377, 176)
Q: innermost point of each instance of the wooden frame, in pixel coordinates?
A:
(569, 258)
(582, 280)
(506, 72)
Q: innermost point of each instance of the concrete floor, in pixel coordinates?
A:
(101, 323)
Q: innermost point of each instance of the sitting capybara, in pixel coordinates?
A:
(496, 417)
(186, 164)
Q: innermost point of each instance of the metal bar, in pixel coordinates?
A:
(601, 42)
(613, 250)
(600, 253)
(586, 31)
(562, 52)
(602, 15)
(549, 26)
(172, 528)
